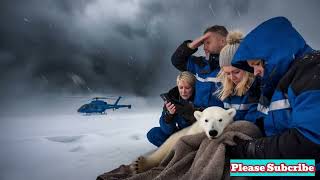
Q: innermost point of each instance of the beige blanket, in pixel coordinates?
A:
(194, 157)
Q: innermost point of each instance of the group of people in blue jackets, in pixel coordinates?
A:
(271, 77)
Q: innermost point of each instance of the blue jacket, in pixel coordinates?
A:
(245, 105)
(177, 123)
(290, 92)
(205, 72)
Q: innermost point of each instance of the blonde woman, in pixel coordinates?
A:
(172, 119)
(239, 89)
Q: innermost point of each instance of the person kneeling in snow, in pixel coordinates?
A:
(178, 113)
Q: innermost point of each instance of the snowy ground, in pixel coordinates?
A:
(46, 139)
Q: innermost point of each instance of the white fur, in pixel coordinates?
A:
(211, 114)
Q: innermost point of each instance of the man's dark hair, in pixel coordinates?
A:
(217, 29)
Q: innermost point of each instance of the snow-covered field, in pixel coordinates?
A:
(45, 138)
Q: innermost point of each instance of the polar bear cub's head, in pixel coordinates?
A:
(214, 119)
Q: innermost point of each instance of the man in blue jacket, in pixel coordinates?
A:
(290, 92)
(206, 68)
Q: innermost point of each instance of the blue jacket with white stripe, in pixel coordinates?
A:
(245, 105)
(290, 91)
(205, 72)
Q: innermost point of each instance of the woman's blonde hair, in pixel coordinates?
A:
(188, 77)
(228, 88)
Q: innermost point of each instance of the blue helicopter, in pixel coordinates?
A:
(99, 106)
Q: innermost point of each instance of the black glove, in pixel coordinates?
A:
(244, 149)
(168, 118)
(186, 111)
(260, 123)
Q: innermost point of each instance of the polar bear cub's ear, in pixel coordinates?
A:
(197, 115)
(232, 112)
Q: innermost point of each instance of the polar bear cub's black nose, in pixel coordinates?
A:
(213, 133)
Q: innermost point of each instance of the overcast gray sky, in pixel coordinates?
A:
(120, 46)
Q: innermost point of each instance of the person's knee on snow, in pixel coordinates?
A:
(156, 136)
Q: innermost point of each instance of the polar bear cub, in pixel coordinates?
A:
(212, 121)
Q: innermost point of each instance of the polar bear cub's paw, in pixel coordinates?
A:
(138, 166)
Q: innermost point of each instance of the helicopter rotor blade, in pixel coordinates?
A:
(94, 98)
(109, 97)
(104, 98)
